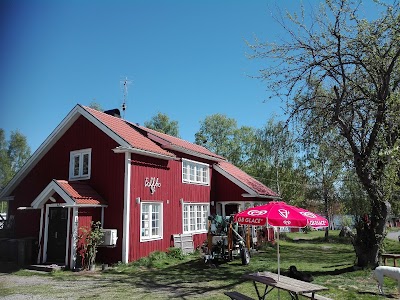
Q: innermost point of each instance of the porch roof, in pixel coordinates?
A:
(74, 193)
(81, 192)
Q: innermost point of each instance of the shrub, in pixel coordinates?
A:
(157, 255)
(174, 252)
(90, 238)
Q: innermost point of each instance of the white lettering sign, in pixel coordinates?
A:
(257, 212)
(152, 183)
(250, 221)
(318, 223)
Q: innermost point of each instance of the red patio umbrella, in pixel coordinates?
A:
(280, 214)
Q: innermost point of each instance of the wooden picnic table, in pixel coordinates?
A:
(394, 256)
(293, 286)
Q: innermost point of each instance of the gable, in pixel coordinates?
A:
(123, 134)
(250, 185)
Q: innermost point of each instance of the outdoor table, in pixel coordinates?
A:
(293, 286)
(385, 257)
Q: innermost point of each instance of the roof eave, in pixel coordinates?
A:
(193, 153)
(260, 196)
(122, 149)
(87, 205)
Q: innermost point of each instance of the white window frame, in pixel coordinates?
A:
(194, 172)
(80, 155)
(151, 237)
(191, 224)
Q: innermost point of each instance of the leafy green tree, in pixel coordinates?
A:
(325, 168)
(274, 161)
(220, 134)
(243, 146)
(13, 154)
(217, 133)
(5, 164)
(162, 123)
(353, 196)
(356, 63)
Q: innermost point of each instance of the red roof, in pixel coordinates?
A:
(170, 141)
(151, 140)
(246, 179)
(81, 192)
(126, 132)
(137, 137)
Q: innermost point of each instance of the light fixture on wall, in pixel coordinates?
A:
(181, 201)
(212, 203)
(138, 200)
(51, 198)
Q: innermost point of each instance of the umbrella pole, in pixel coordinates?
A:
(279, 262)
(279, 256)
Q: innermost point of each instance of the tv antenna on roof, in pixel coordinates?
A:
(125, 84)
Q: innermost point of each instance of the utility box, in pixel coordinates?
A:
(109, 238)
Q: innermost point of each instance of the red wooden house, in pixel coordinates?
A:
(147, 185)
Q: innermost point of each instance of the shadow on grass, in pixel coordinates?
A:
(194, 278)
(376, 294)
(319, 240)
(182, 281)
(314, 273)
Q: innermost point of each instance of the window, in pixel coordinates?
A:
(151, 221)
(194, 172)
(79, 164)
(195, 218)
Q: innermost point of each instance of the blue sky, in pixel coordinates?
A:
(186, 59)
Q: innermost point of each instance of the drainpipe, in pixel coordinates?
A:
(127, 208)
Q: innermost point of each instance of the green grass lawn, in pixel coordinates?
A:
(159, 277)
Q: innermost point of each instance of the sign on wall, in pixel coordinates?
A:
(152, 183)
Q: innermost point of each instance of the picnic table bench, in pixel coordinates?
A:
(316, 296)
(294, 287)
(237, 296)
(394, 256)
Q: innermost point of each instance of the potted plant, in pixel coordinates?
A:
(90, 238)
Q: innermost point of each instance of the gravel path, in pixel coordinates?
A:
(393, 235)
(97, 285)
(15, 282)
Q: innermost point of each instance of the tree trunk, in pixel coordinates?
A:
(326, 199)
(370, 234)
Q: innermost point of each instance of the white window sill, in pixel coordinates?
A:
(195, 232)
(79, 178)
(143, 240)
